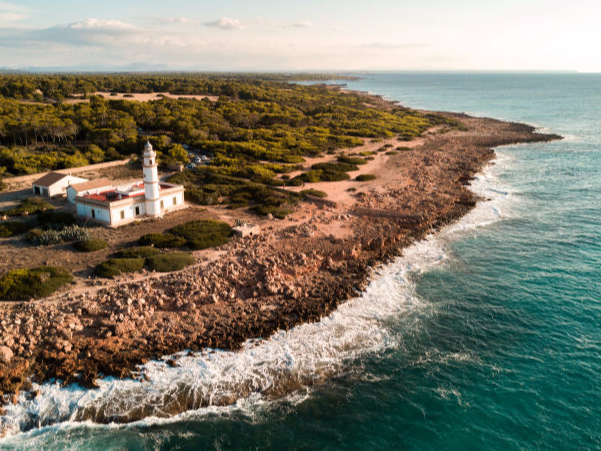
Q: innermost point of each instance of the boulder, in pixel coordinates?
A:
(6, 354)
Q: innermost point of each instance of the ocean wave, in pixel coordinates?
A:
(283, 366)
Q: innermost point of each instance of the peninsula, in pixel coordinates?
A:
(367, 179)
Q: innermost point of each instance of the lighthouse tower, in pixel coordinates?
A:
(151, 182)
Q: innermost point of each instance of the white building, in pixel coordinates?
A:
(54, 184)
(89, 187)
(120, 205)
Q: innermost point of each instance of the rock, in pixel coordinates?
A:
(6, 354)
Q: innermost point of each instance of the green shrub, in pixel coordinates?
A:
(30, 206)
(137, 252)
(296, 181)
(314, 192)
(276, 212)
(392, 152)
(33, 283)
(91, 245)
(340, 167)
(33, 234)
(365, 177)
(351, 160)
(162, 240)
(47, 218)
(50, 237)
(367, 153)
(114, 267)
(404, 148)
(12, 228)
(320, 175)
(202, 234)
(173, 261)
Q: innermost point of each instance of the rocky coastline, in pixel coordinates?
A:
(287, 275)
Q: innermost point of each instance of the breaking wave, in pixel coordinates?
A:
(264, 370)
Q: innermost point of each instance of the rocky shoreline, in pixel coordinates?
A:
(281, 278)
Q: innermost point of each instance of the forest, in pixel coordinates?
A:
(259, 126)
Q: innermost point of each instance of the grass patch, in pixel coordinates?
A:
(173, 261)
(114, 267)
(365, 177)
(367, 153)
(30, 206)
(314, 192)
(202, 234)
(392, 152)
(33, 283)
(403, 148)
(137, 252)
(162, 240)
(13, 228)
(91, 245)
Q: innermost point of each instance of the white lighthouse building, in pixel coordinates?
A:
(151, 182)
(118, 205)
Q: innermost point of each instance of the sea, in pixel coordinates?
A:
(485, 335)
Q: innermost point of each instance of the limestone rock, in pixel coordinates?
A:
(6, 354)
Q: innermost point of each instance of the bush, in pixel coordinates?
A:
(50, 237)
(30, 206)
(13, 228)
(114, 267)
(46, 218)
(365, 177)
(314, 192)
(162, 240)
(276, 212)
(340, 167)
(314, 176)
(91, 245)
(351, 160)
(202, 234)
(137, 252)
(392, 152)
(173, 261)
(404, 148)
(33, 283)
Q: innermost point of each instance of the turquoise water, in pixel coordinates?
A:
(486, 335)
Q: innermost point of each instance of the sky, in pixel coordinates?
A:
(308, 35)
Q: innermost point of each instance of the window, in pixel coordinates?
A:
(122, 214)
(36, 190)
(175, 201)
(93, 213)
(150, 162)
(162, 205)
(137, 211)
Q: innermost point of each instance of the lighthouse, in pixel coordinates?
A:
(151, 182)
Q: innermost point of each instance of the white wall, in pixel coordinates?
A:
(168, 202)
(100, 213)
(129, 213)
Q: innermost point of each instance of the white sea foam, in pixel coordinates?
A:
(264, 370)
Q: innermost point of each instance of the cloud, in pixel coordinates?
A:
(226, 23)
(10, 13)
(89, 31)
